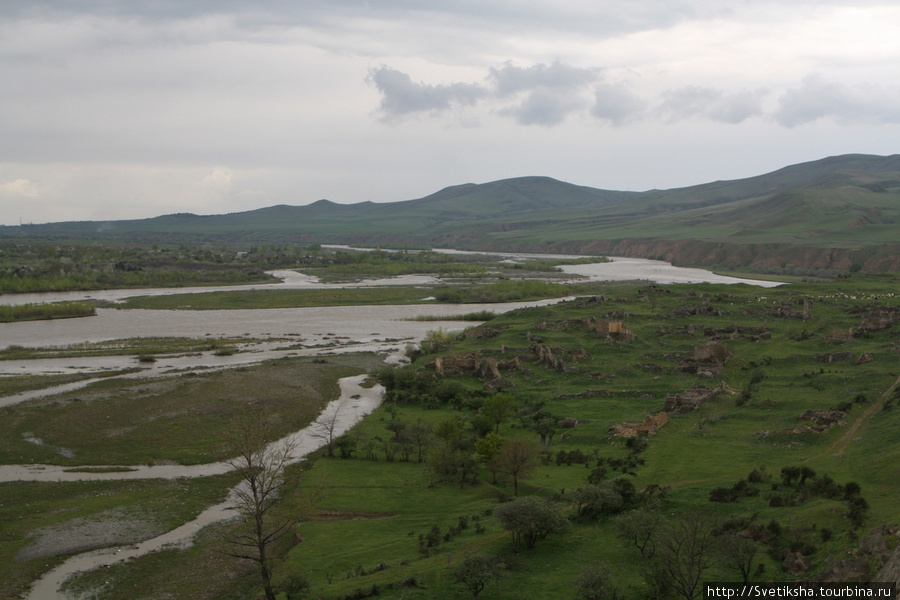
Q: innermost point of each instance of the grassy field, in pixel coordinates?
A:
(41, 523)
(462, 293)
(142, 346)
(783, 352)
(39, 312)
(180, 418)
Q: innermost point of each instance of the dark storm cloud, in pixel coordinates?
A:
(817, 98)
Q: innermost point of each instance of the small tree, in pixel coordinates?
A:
(486, 448)
(498, 408)
(530, 519)
(420, 434)
(516, 458)
(476, 571)
(295, 587)
(594, 583)
(261, 463)
(638, 527)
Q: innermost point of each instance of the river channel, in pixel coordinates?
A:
(270, 333)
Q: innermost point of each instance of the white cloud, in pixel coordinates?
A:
(220, 182)
(19, 188)
(706, 102)
(616, 104)
(401, 96)
(818, 97)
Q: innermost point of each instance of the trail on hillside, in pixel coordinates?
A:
(840, 445)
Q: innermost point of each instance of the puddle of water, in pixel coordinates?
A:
(64, 452)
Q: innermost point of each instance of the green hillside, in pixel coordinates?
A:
(836, 213)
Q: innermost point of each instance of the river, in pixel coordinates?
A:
(269, 334)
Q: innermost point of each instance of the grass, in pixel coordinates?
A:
(25, 383)
(373, 511)
(27, 508)
(481, 315)
(180, 419)
(259, 299)
(138, 346)
(502, 291)
(38, 312)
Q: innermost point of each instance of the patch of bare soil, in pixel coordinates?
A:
(114, 527)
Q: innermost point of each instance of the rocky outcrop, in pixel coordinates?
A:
(857, 568)
(848, 569)
(796, 564)
(890, 572)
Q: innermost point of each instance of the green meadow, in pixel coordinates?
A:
(378, 521)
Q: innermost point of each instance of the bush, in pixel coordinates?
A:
(530, 519)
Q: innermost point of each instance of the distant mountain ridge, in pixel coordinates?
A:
(837, 213)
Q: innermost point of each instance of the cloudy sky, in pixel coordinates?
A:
(113, 109)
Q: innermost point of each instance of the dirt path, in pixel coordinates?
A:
(838, 447)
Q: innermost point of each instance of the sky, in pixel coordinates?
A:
(121, 109)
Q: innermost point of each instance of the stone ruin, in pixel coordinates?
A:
(613, 330)
(830, 357)
(691, 310)
(685, 401)
(788, 310)
(691, 399)
(490, 370)
(707, 361)
(879, 319)
(820, 420)
(649, 426)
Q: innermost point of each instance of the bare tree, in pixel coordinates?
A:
(261, 463)
(516, 458)
(638, 528)
(738, 552)
(685, 551)
(325, 427)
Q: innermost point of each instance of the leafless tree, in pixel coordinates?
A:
(685, 551)
(258, 497)
(516, 458)
(738, 552)
(325, 427)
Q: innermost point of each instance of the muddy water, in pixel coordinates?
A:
(355, 402)
(306, 331)
(657, 271)
(289, 280)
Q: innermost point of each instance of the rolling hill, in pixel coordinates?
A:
(836, 214)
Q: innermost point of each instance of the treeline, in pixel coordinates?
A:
(26, 268)
(36, 312)
(504, 291)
